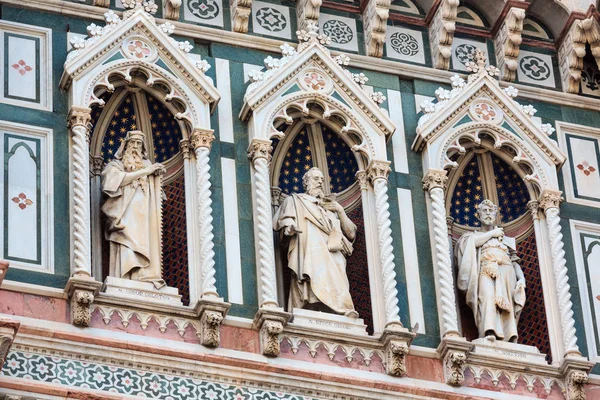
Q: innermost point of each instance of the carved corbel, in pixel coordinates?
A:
(101, 3)
(396, 343)
(172, 8)
(308, 11)
(270, 322)
(508, 43)
(575, 371)
(375, 19)
(570, 56)
(211, 312)
(8, 332)
(454, 351)
(81, 292)
(240, 13)
(441, 31)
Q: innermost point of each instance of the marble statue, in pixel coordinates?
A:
(490, 277)
(132, 185)
(317, 235)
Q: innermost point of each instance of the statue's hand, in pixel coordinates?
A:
(497, 232)
(157, 169)
(333, 206)
(520, 283)
(291, 230)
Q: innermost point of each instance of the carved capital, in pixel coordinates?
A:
(96, 165)
(212, 312)
(363, 179)
(202, 138)
(435, 178)
(534, 207)
(260, 148)
(275, 196)
(81, 293)
(8, 332)
(3, 270)
(576, 385)
(240, 14)
(550, 199)
(79, 116)
(378, 170)
(172, 8)
(185, 146)
(270, 322)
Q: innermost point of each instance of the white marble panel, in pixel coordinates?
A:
(535, 68)
(271, 20)
(463, 51)
(584, 161)
(232, 232)
(398, 139)
(224, 107)
(341, 31)
(411, 260)
(405, 44)
(23, 68)
(209, 12)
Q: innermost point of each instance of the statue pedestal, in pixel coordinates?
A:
(141, 291)
(510, 351)
(328, 322)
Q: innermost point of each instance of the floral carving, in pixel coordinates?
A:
(454, 365)
(269, 337)
(485, 112)
(138, 49)
(210, 324)
(22, 201)
(22, 67)
(584, 167)
(576, 385)
(396, 358)
(315, 81)
(81, 308)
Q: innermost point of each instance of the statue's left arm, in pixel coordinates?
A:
(347, 225)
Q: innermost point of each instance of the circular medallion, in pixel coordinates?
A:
(137, 49)
(203, 9)
(404, 44)
(314, 81)
(339, 32)
(535, 68)
(271, 19)
(465, 53)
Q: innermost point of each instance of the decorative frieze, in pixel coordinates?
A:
(307, 11)
(441, 32)
(508, 42)
(240, 14)
(375, 19)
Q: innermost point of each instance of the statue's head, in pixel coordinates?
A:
(312, 181)
(487, 212)
(133, 151)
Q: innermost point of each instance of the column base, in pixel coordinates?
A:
(211, 311)
(81, 292)
(270, 321)
(396, 342)
(454, 350)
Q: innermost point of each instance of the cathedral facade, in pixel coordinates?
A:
(272, 199)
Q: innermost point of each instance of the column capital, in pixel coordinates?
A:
(534, 207)
(260, 148)
(363, 179)
(550, 199)
(184, 146)
(96, 165)
(378, 169)
(202, 138)
(79, 116)
(435, 178)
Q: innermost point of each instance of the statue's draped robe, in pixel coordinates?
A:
(133, 224)
(496, 301)
(317, 255)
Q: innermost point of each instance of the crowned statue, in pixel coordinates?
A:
(132, 185)
(490, 277)
(317, 236)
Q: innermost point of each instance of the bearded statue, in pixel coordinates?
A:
(318, 235)
(132, 185)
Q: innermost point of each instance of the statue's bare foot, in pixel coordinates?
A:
(351, 314)
(491, 338)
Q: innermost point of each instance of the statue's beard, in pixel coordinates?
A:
(316, 192)
(132, 160)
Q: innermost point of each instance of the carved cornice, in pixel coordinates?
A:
(435, 178)
(378, 170)
(202, 138)
(79, 116)
(240, 14)
(550, 199)
(260, 148)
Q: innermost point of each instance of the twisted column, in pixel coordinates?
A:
(378, 173)
(201, 141)
(79, 120)
(259, 153)
(549, 201)
(435, 183)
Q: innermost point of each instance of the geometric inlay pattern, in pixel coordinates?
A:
(468, 193)
(533, 325)
(339, 32)
(535, 68)
(404, 44)
(512, 193)
(175, 254)
(203, 9)
(126, 381)
(271, 19)
(465, 53)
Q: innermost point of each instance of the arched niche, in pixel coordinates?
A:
(309, 88)
(478, 116)
(134, 57)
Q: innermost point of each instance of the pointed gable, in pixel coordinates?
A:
(310, 68)
(136, 39)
